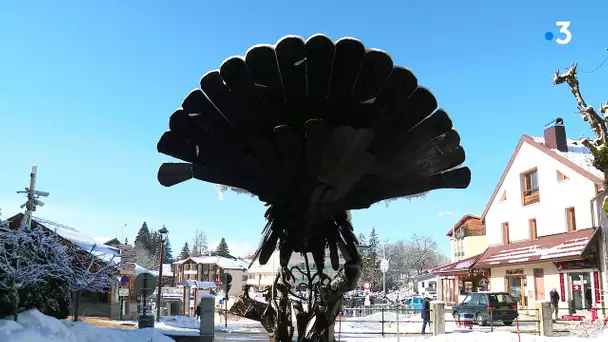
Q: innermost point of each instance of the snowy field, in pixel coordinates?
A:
(33, 326)
(185, 325)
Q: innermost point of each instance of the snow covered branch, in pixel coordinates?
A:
(21, 258)
(29, 257)
(91, 273)
(588, 113)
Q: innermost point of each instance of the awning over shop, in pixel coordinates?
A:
(565, 246)
(464, 265)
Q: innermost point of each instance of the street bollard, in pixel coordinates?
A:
(207, 324)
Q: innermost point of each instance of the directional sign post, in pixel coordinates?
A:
(127, 258)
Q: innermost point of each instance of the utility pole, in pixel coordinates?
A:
(32, 199)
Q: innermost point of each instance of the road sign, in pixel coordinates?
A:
(124, 260)
(123, 292)
(384, 265)
(130, 272)
(124, 281)
(124, 246)
(145, 284)
(127, 253)
(367, 285)
(127, 266)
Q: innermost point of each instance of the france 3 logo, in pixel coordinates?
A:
(563, 29)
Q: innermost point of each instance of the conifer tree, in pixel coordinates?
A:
(222, 249)
(185, 252)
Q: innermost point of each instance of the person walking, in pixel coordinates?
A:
(554, 296)
(197, 313)
(426, 313)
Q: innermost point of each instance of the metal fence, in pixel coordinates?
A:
(488, 320)
(379, 321)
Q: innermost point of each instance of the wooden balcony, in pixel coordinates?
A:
(531, 196)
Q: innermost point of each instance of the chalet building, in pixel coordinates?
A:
(264, 275)
(541, 223)
(462, 276)
(211, 269)
(100, 304)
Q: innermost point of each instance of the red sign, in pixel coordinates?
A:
(366, 285)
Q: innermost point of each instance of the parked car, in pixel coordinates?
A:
(488, 306)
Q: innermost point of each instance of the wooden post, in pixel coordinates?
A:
(438, 317)
(545, 317)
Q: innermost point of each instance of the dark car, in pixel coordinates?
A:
(488, 306)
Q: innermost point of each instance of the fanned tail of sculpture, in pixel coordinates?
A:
(314, 129)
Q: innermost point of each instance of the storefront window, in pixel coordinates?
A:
(515, 288)
(581, 290)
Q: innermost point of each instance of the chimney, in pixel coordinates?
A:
(555, 135)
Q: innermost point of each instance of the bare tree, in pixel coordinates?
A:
(29, 256)
(411, 257)
(92, 273)
(598, 146)
(145, 258)
(199, 243)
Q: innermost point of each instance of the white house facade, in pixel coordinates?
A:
(542, 224)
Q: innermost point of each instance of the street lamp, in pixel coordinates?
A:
(163, 238)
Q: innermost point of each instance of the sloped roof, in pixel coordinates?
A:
(462, 220)
(74, 236)
(577, 154)
(221, 262)
(578, 158)
(103, 239)
(464, 265)
(545, 248)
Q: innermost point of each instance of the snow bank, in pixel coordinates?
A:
(187, 322)
(33, 326)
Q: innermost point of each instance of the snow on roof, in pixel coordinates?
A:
(139, 270)
(577, 153)
(80, 239)
(221, 262)
(102, 239)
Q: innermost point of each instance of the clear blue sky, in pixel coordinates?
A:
(86, 90)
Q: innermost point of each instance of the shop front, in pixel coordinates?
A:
(580, 282)
(461, 278)
(529, 270)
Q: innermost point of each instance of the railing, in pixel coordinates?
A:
(588, 322)
(488, 320)
(379, 321)
(531, 196)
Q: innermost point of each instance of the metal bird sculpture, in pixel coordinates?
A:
(314, 129)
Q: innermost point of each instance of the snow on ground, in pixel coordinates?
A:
(33, 326)
(189, 325)
(476, 336)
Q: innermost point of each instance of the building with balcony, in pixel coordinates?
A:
(211, 269)
(264, 275)
(467, 243)
(541, 223)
